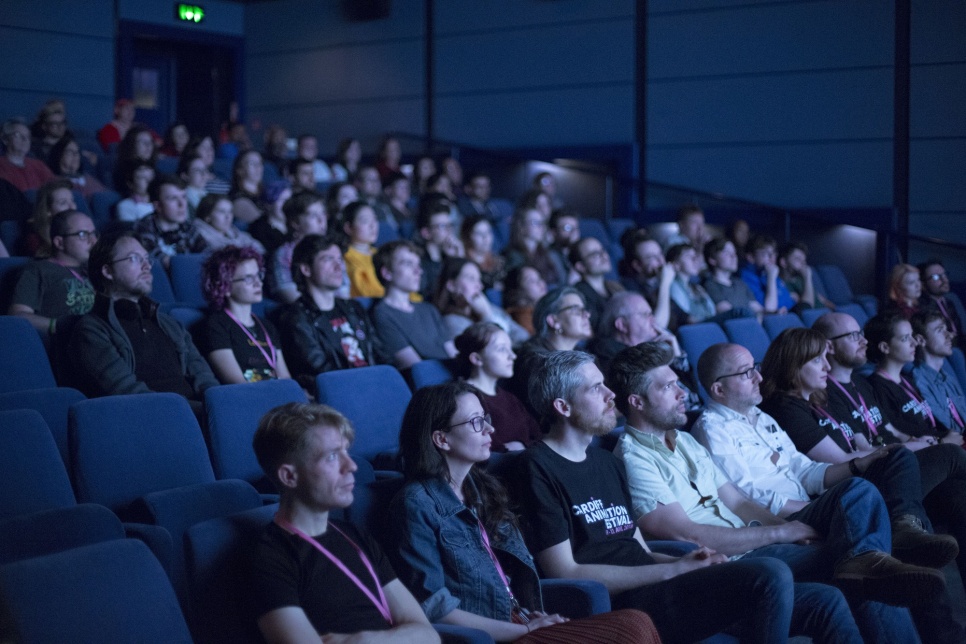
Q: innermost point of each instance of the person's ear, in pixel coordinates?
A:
(440, 441)
(106, 272)
(57, 242)
(562, 407)
(305, 270)
(287, 475)
(717, 390)
(621, 325)
(476, 360)
(884, 348)
(635, 401)
(386, 273)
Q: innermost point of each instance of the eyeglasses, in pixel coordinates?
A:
(935, 277)
(595, 254)
(579, 308)
(250, 279)
(135, 260)
(854, 336)
(747, 374)
(82, 235)
(477, 423)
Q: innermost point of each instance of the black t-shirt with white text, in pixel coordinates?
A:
(844, 411)
(909, 414)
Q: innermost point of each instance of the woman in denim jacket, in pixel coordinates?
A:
(459, 549)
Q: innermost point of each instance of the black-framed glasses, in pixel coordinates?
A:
(935, 277)
(747, 374)
(477, 423)
(250, 279)
(595, 254)
(82, 235)
(854, 336)
(135, 260)
(580, 308)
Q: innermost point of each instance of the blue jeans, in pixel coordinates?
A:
(757, 595)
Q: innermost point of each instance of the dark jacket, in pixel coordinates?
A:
(103, 357)
(441, 557)
(310, 345)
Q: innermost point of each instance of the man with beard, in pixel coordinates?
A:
(576, 509)
(644, 271)
(932, 373)
(937, 294)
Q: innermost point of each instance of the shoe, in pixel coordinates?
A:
(876, 576)
(912, 544)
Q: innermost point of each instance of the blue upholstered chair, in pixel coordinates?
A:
(695, 339)
(186, 280)
(749, 333)
(23, 361)
(775, 324)
(430, 372)
(53, 405)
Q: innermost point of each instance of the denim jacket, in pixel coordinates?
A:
(441, 558)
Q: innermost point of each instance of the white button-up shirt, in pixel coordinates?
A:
(758, 456)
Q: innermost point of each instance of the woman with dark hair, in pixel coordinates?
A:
(215, 221)
(528, 245)
(246, 185)
(459, 549)
(136, 147)
(523, 288)
(240, 346)
(485, 357)
(339, 196)
(64, 160)
(271, 230)
(204, 147)
(424, 168)
(390, 154)
(175, 140)
(360, 225)
(461, 300)
(348, 155)
(476, 232)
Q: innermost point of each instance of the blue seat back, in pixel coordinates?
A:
(233, 413)
(353, 392)
(115, 591)
(430, 372)
(594, 228)
(161, 291)
(695, 339)
(857, 311)
(749, 333)
(53, 405)
(836, 284)
(23, 361)
(775, 324)
(186, 279)
(124, 447)
(618, 226)
(102, 207)
(810, 315)
(10, 268)
(32, 475)
(50, 531)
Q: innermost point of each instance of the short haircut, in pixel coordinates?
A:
(790, 247)
(58, 223)
(383, 257)
(758, 242)
(392, 178)
(630, 239)
(10, 125)
(304, 254)
(293, 165)
(709, 364)
(687, 210)
(785, 357)
(555, 376)
(615, 308)
(550, 304)
(825, 324)
(714, 247)
(559, 213)
(184, 163)
(161, 180)
(933, 261)
(631, 370)
(131, 168)
(674, 252)
(298, 204)
(218, 272)
(923, 318)
(102, 254)
(881, 328)
(431, 205)
(207, 205)
(282, 434)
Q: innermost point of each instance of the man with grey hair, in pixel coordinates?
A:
(575, 507)
(15, 166)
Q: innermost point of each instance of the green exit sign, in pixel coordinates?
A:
(189, 12)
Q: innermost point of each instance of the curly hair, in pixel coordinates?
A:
(218, 271)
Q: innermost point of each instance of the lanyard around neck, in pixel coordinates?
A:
(912, 394)
(837, 425)
(268, 355)
(380, 603)
(496, 562)
(76, 275)
(859, 406)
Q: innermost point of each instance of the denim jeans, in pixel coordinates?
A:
(757, 595)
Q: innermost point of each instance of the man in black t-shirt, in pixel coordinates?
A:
(298, 592)
(576, 508)
(320, 331)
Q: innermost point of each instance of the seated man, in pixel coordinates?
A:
(301, 174)
(592, 262)
(476, 198)
(321, 331)
(679, 493)
(576, 512)
(691, 230)
(307, 148)
(409, 331)
(761, 276)
(125, 345)
(438, 238)
(644, 270)
(15, 166)
(304, 215)
(797, 275)
(369, 184)
(167, 232)
(313, 579)
(722, 283)
(48, 289)
(933, 374)
(936, 294)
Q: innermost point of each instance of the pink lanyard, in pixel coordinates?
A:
(76, 275)
(912, 394)
(496, 562)
(955, 413)
(381, 604)
(269, 358)
(945, 314)
(861, 408)
(836, 425)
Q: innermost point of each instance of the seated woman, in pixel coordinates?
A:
(361, 228)
(204, 147)
(216, 223)
(64, 160)
(461, 300)
(194, 173)
(137, 204)
(486, 356)
(523, 288)
(136, 147)
(271, 230)
(240, 346)
(528, 245)
(175, 140)
(52, 197)
(246, 185)
(459, 550)
(476, 232)
(905, 289)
